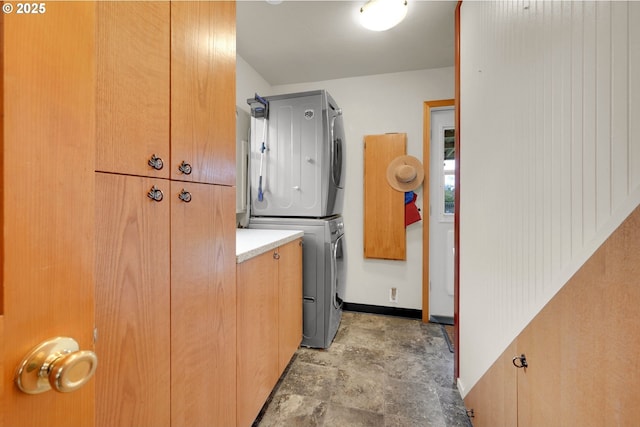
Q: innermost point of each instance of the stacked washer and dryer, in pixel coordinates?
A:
(296, 175)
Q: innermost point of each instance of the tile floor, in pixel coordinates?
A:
(380, 371)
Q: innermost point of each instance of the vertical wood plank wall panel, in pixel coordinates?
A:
(549, 100)
(561, 233)
(603, 112)
(620, 101)
(575, 189)
(589, 90)
(633, 15)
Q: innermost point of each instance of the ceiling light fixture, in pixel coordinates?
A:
(380, 15)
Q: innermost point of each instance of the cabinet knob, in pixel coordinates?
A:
(185, 168)
(155, 194)
(185, 196)
(55, 364)
(276, 255)
(156, 162)
(520, 361)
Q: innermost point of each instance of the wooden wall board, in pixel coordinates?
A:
(384, 229)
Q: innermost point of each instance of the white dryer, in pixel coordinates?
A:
(296, 164)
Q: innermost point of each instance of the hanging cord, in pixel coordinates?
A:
(263, 148)
(260, 108)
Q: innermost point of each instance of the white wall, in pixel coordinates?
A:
(550, 145)
(248, 83)
(374, 105)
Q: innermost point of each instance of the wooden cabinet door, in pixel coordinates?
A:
(132, 302)
(540, 386)
(203, 91)
(290, 301)
(133, 54)
(47, 144)
(257, 334)
(581, 347)
(203, 305)
(494, 399)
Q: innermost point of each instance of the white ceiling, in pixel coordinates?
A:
(308, 41)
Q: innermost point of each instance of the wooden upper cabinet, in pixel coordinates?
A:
(166, 88)
(133, 64)
(203, 91)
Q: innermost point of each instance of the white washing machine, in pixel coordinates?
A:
(323, 269)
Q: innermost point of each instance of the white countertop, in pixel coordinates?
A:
(253, 242)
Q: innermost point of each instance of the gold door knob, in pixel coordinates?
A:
(57, 363)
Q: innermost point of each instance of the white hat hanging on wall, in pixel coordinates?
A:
(405, 173)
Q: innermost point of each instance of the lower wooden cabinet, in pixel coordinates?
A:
(203, 305)
(269, 316)
(257, 334)
(290, 302)
(165, 303)
(132, 302)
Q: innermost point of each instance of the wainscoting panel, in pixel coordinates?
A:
(580, 350)
(550, 146)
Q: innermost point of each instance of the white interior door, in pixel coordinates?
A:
(441, 231)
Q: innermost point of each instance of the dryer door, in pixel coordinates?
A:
(337, 149)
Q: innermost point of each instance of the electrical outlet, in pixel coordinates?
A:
(393, 295)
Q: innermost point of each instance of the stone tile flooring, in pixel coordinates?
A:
(380, 371)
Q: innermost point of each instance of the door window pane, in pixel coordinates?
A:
(449, 168)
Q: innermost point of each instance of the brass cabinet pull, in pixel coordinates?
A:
(56, 364)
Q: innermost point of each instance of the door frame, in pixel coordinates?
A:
(426, 197)
(456, 224)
